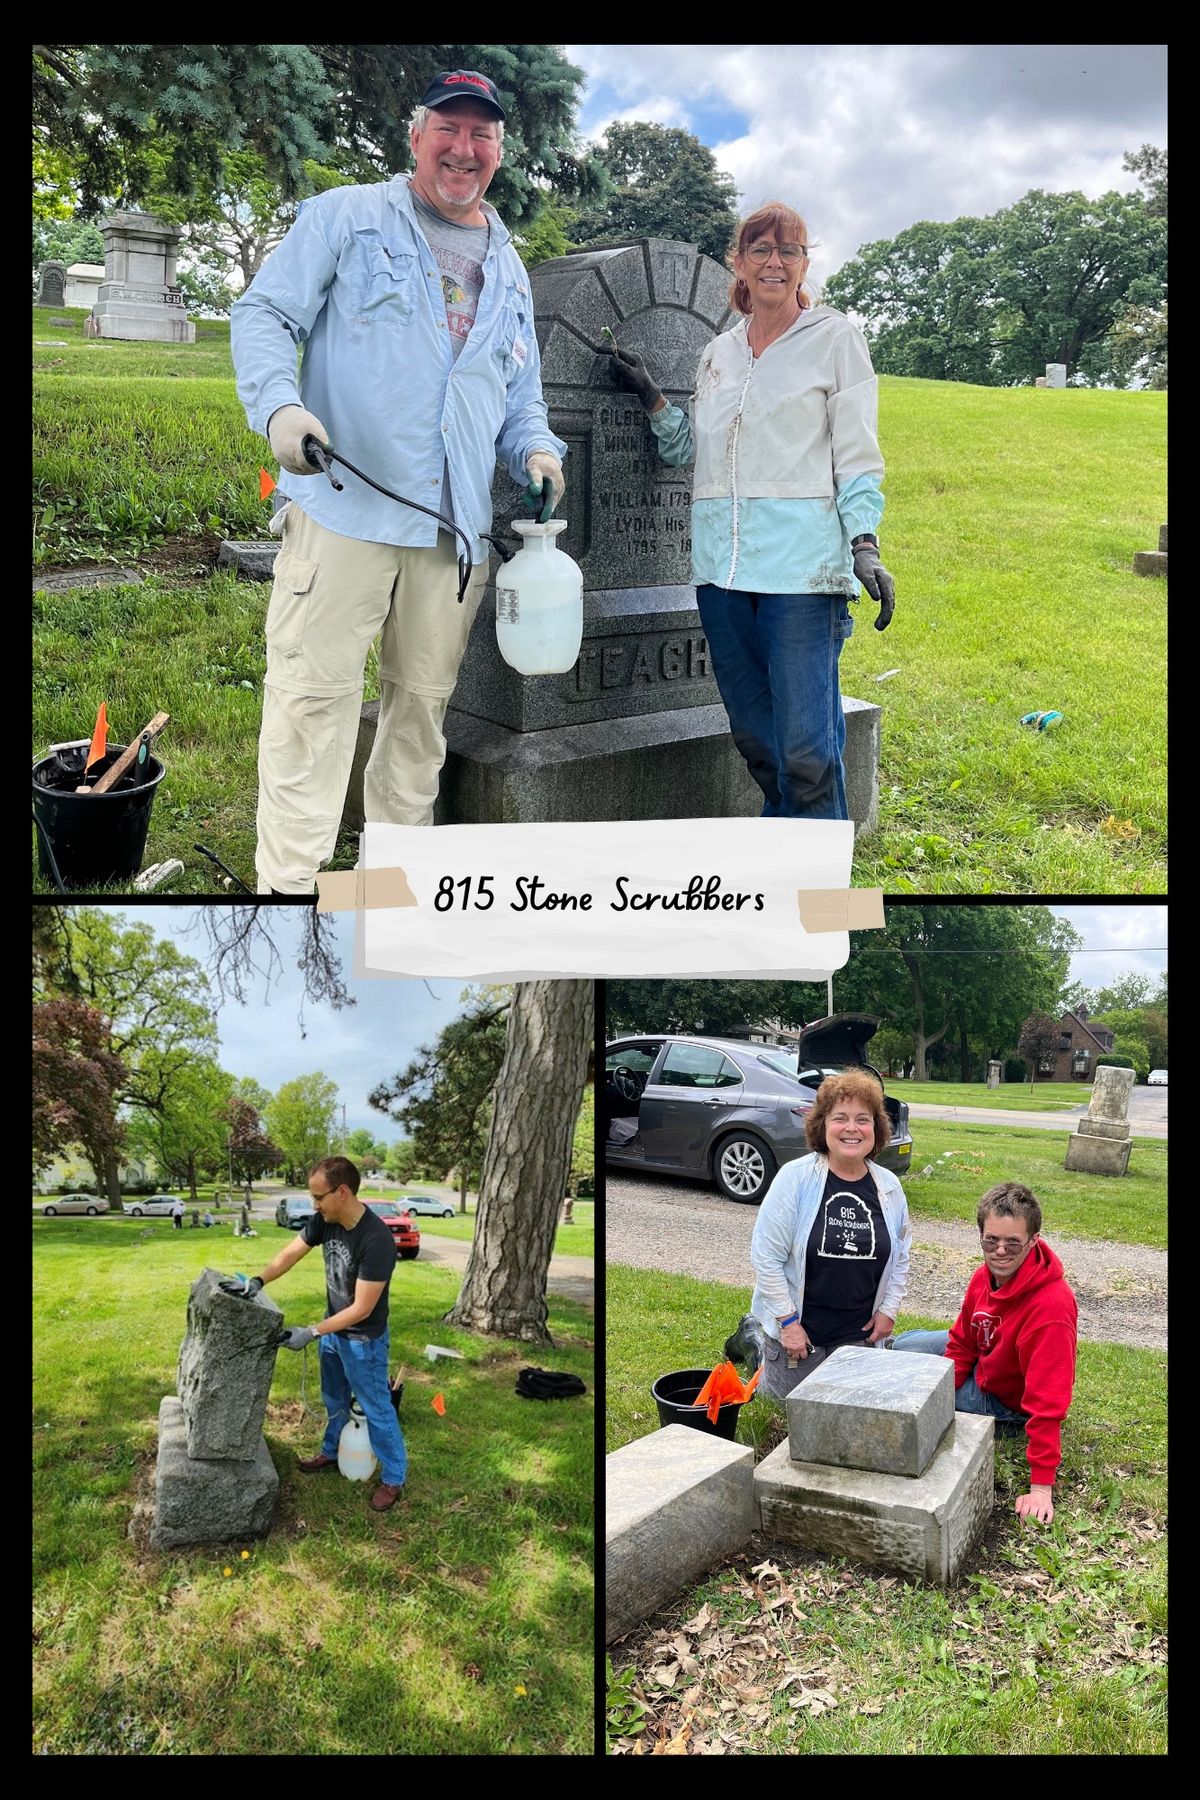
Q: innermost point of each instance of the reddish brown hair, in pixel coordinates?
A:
(773, 217)
(849, 1085)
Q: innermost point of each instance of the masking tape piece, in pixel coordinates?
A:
(363, 890)
(840, 909)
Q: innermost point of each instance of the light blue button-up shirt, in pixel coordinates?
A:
(799, 546)
(356, 283)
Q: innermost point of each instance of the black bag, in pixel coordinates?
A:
(546, 1384)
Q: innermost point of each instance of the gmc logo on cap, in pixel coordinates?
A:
(473, 79)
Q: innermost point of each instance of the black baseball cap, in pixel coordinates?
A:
(462, 84)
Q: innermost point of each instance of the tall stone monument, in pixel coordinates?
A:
(1101, 1142)
(215, 1480)
(138, 297)
(636, 730)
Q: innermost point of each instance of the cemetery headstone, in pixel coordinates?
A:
(1056, 375)
(1101, 1142)
(138, 297)
(214, 1478)
(52, 284)
(83, 284)
(636, 729)
(993, 1074)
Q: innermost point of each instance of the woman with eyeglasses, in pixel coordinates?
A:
(786, 504)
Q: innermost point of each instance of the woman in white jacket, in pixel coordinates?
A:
(785, 506)
(831, 1244)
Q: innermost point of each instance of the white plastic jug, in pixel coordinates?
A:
(356, 1459)
(539, 603)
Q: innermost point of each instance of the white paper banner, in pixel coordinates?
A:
(651, 897)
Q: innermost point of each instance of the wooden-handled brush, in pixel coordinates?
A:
(127, 757)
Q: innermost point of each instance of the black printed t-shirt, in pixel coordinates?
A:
(848, 1249)
(366, 1251)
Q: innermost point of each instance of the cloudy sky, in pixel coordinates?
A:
(865, 139)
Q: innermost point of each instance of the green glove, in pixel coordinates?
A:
(546, 485)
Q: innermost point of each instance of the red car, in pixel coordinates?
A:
(405, 1235)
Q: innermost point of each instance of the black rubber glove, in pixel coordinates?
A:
(874, 577)
(632, 373)
(240, 1287)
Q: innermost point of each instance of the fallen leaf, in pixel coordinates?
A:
(701, 1622)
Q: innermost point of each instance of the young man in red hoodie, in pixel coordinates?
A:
(1013, 1343)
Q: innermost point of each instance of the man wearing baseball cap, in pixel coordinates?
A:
(421, 367)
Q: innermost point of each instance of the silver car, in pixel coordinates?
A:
(75, 1203)
(156, 1206)
(426, 1206)
(728, 1110)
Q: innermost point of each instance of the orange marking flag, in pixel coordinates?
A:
(723, 1387)
(266, 485)
(99, 743)
(439, 1406)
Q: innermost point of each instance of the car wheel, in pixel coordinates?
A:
(50, 1212)
(408, 1255)
(92, 1211)
(743, 1167)
(449, 1213)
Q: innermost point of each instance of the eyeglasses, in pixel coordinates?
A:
(1009, 1246)
(789, 252)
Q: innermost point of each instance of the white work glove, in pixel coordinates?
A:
(286, 432)
(546, 484)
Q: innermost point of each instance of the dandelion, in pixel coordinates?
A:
(520, 1690)
(245, 1554)
(227, 1571)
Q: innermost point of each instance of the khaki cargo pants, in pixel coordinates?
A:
(332, 597)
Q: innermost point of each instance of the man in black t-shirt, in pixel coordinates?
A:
(359, 1259)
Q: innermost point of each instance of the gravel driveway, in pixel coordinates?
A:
(682, 1226)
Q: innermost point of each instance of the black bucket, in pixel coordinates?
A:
(95, 838)
(674, 1396)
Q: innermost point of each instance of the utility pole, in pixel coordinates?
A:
(343, 1145)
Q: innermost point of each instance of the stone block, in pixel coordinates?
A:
(1150, 562)
(1110, 1128)
(921, 1527)
(863, 1409)
(1110, 1093)
(1097, 1155)
(676, 1502)
(70, 580)
(254, 560)
(201, 1501)
(1162, 530)
(226, 1362)
(665, 765)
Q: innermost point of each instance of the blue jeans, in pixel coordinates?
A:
(775, 658)
(970, 1397)
(359, 1371)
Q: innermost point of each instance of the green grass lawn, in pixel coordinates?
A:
(1015, 1096)
(1126, 1209)
(1013, 515)
(1051, 1643)
(459, 1623)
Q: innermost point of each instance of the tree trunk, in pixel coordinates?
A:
(192, 1175)
(965, 1071)
(528, 1161)
(462, 1189)
(112, 1182)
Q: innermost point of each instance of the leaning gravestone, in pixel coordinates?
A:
(138, 297)
(52, 284)
(1101, 1141)
(215, 1479)
(636, 730)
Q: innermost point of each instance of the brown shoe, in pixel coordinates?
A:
(385, 1496)
(310, 1464)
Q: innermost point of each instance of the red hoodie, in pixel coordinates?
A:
(1018, 1341)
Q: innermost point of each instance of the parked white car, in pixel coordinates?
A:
(1157, 1078)
(75, 1203)
(154, 1207)
(425, 1206)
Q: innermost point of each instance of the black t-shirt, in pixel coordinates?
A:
(848, 1249)
(368, 1251)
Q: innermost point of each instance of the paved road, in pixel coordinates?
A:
(686, 1228)
(1147, 1114)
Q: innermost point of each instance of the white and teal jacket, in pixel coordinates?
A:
(787, 457)
(780, 1242)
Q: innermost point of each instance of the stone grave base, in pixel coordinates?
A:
(922, 1527)
(1093, 1155)
(668, 765)
(207, 1502)
(676, 1502)
(144, 324)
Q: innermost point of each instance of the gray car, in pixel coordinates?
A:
(728, 1110)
